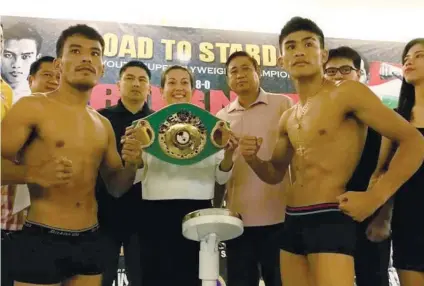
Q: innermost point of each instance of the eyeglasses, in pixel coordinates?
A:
(343, 70)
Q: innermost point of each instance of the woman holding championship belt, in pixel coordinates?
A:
(171, 191)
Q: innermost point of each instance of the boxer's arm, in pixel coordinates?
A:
(16, 128)
(17, 125)
(385, 214)
(366, 106)
(12, 173)
(274, 170)
(118, 177)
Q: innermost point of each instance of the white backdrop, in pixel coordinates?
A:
(390, 20)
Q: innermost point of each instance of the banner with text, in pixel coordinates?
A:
(203, 51)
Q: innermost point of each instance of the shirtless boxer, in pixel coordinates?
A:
(323, 137)
(67, 144)
(43, 77)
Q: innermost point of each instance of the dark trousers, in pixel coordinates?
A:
(6, 279)
(254, 254)
(371, 259)
(167, 257)
(131, 256)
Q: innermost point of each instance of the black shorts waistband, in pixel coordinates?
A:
(313, 209)
(30, 226)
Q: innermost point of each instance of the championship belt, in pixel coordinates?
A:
(183, 134)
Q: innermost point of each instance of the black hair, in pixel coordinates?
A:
(175, 67)
(138, 64)
(345, 52)
(297, 24)
(35, 66)
(80, 29)
(241, 54)
(23, 31)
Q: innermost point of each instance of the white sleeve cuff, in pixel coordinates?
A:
(140, 174)
(222, 177)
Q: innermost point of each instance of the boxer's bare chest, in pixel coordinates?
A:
(320, 127)
(78, 134)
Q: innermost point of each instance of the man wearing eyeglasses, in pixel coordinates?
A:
(372, 253)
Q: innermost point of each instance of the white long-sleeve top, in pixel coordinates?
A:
(165, 181)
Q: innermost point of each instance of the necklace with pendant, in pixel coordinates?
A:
(299, 114)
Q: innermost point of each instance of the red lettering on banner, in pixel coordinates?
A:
(218, 100)
(198, 99)
(157, 101)
(104, 95)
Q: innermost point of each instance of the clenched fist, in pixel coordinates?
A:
(232, 145)
(131, 151)
(249, 146)
(359, 205)
(142, 132)
(51, 173)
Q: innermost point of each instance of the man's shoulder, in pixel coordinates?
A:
(32, 100)
(146, 111)
(106, 111)
(279, 98)
(344, 87)
(350, 95)
(101, 117)
(222, 114)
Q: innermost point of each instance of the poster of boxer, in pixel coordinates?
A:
(203, 51)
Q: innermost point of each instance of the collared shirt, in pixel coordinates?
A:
(117, 214)
(9, 221)
(258, 202)
(165, 181)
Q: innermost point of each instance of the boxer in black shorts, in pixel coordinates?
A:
(318, 228)
(63, 144)
(45, 255)
(322, 138)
